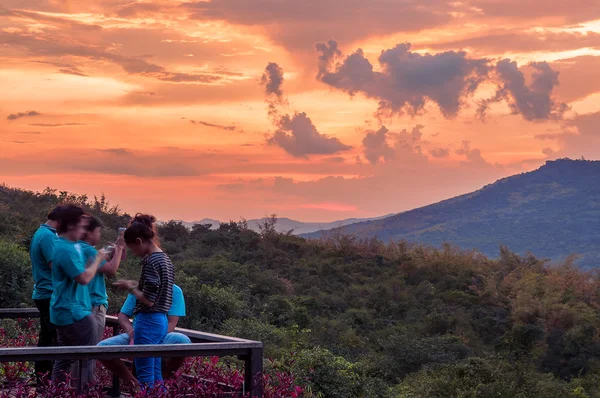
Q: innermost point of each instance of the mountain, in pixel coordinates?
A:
(551, 212)
(286, 224)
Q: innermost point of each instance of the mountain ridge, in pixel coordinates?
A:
(285, 224)
(550, 212)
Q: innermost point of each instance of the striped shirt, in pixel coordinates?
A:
(156, 282)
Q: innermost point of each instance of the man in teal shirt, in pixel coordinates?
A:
(70, 305)
(41, 251)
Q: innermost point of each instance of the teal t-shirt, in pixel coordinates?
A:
(40, 252)
(70, 301)
(97, 286)
(177, 305)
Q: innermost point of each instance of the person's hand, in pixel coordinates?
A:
(102, 255)
(120, 242)
(130, 333)
(125, 284)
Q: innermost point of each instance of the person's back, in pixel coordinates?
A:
(41, 251)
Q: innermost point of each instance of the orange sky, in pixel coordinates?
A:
(167, 107)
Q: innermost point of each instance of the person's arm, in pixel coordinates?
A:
(125, 323)
(172, 322)
(139, 295)
(47, 247)
(112, 267)
(90, 272)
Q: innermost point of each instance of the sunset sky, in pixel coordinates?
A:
(313, 110)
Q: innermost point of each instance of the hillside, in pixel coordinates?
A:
(362, 318)
(286, 224)
(551, 212)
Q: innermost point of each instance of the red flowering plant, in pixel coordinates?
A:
(207, 377)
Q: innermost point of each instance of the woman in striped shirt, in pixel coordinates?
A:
(154, 293)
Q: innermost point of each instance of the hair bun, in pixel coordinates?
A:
(145, 219)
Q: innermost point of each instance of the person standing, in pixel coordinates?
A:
(41, 251)
(70, 305)
(153, 293)
(97, 287)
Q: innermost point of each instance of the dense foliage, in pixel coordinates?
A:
(551, 212)
(368, 319)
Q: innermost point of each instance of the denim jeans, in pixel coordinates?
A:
(150, 328)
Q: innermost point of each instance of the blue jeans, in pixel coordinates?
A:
(150, 328)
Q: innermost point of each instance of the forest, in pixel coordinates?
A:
(361, 318)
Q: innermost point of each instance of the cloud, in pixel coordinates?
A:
(375, 146)
(199, 122)
(407, 80)
(48, 46)
(440, 152)
(473, 156)
(56, 124)
(15, 116)
(296, 134)
(533, 101)
(117, 151)
(299, 137)
(298, 25)
(272, 80)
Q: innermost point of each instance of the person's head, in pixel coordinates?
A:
(71, 222)
(54, 216)
(140, 236)
(93, 231)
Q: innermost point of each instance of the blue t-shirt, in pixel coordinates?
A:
(97, 286)
(177, 305)
(70, 301)
(40, 252)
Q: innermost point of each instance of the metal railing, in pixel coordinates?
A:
(203, 344)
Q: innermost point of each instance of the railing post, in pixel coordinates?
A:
(253, 370)
(115, 391)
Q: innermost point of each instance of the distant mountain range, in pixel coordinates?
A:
(551, 212)
(286, 224)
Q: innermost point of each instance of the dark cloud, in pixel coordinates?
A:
(15, 116)
(19, 142)
(299, 137)
(56, 124)
(439, 152)
(272, 80)
(407, 80)
(297, 134)
(533, 101)
(31, 132)
(376, 147)
(199, 122)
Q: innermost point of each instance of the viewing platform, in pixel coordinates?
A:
(203, 345)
